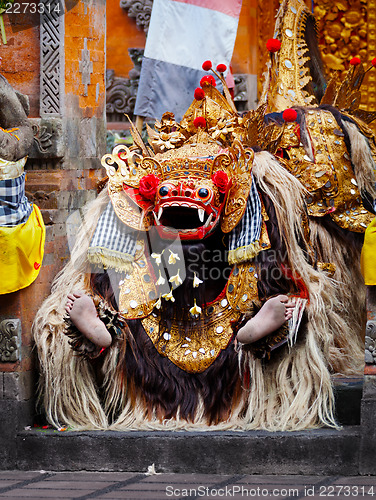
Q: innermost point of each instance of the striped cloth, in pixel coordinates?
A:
(244, 238)
(14, 206)
(182, 35)
(113, 244)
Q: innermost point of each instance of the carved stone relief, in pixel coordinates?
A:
(121, 92)
(241, 92)
(140, 10)
(51, 46)
(370, 352)
(10, 340)
(48, 138)
(85, 67)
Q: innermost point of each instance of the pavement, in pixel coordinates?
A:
(152, 485)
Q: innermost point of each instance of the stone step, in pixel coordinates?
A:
(253, 452)
(314, 452)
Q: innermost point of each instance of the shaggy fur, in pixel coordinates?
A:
(362, 159)
(293, 391)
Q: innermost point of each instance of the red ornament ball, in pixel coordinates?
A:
(373, 62)
(199, 94)
(208, 80)
(289, 115)
(355, 61)
(207, 65)
(273, 45)
(221, 68)
(199, 122)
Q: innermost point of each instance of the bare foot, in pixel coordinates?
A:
(84, 316)
(270, 317)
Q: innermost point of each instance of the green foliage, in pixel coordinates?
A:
(4, 4)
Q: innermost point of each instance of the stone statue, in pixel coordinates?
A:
(22, 230)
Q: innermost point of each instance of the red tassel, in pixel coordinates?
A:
(303, 290)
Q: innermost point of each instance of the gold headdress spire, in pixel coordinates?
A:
(288, 73)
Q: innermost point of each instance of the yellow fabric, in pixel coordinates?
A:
(368, 257)
(21, 253)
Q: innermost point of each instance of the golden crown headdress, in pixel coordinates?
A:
(211, 137)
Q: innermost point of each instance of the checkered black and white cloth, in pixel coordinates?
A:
(14, 206)
(248, 231)
(113, 243)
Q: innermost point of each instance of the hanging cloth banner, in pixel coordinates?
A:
(182, 35)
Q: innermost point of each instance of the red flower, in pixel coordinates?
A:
(207, 65)
(199, 122)
(220, 179)
(199, 94)
(148, 186)
(273, 45)
(207, 80)
(355, 61)
(289, 115)
(373, 62)
(221, 68)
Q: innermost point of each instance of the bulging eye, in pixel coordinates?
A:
(203, 193)
(163, 191)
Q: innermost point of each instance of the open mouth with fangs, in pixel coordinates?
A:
(189, 220)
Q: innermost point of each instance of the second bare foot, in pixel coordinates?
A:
(84, 316)
(270, 317)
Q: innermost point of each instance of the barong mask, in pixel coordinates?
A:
(198, 174)
(185, 192)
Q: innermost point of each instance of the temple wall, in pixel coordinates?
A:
(20, 57)
(59, 63)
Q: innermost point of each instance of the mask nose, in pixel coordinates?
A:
(184, 191)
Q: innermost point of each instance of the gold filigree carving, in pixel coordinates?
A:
(138, 291)
(194, 354)
(347, 28)
(266, 11)
(129, 213)
(197, 352)
(241, 291)
(369, 97)
(241, 184)
(342, 28)
(330, 178)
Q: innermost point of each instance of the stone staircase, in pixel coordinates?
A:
(349, 450)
